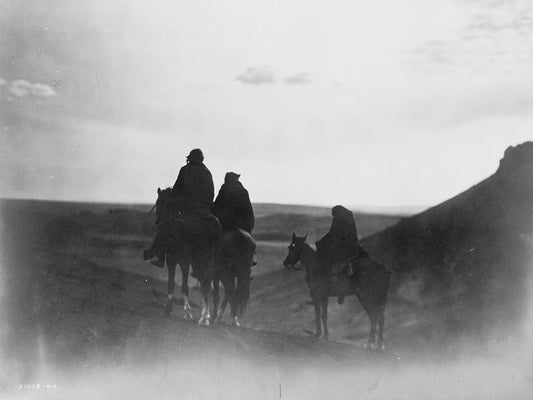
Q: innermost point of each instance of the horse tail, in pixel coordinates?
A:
(247, 239)
(244, 294)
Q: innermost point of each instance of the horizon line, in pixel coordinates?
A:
(365, 208)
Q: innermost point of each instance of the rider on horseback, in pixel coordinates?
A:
(340, 244)
(233, 207)
(194, 190)
(192, 196)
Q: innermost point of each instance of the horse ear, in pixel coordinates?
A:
(293, 236)
(158, 190)
(305, 237)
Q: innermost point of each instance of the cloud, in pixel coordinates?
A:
(518, 22)
(256, 76)
(494, 36)
(22, 88)
(435, 52)
(2, 82)
(301, 78)
(39, 89)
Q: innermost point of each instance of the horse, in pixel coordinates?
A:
(369, 283)
(191, 243)
(233, 261)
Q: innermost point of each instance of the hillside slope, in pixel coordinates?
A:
(468, 260)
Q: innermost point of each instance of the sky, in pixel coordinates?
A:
(364, 103)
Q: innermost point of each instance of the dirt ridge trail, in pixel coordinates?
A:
(61, 308)
(115, 307)
(86, 311)
(89, 315)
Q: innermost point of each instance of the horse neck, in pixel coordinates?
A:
(165, 212)
(309, 257)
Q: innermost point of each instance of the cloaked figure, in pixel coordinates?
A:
(232, 206)
(341, 243)
(192, 196)
(194, 189)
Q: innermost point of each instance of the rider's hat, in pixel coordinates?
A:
(231, 177)
(195, 155)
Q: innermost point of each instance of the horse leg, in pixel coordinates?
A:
(187, 312)
(232, 296)
(325, 318)
(242, 291)
(365, 301)
(318, 332)
(205, 317)
(170, 285)
(222, 307)
(381, 327)
(216, 297)
(371, 342)
(235, 321)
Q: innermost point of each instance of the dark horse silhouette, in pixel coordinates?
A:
(191, 243)
(369, 283)
(233, 262)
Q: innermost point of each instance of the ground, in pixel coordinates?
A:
(83, 313)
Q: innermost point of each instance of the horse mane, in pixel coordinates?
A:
(316, 259)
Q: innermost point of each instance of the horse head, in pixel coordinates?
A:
(295, 252)
(163, 204)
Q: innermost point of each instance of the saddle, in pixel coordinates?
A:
(194, 224)
(347, 266)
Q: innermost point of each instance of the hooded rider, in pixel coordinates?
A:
(193, 195)
(233, 207)
(341, 243)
